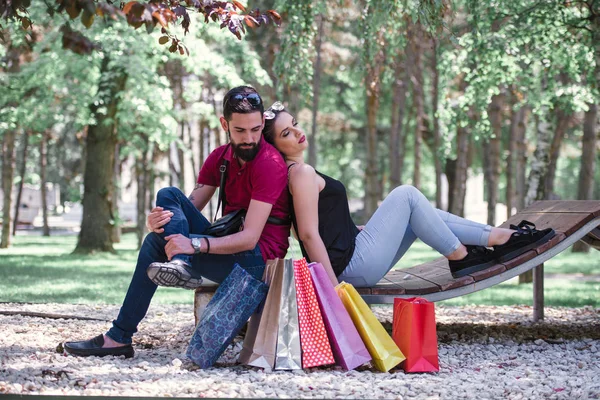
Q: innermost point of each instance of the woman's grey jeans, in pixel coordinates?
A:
(403, 216)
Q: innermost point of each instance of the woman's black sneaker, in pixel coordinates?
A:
(477, 259)
(525, 238)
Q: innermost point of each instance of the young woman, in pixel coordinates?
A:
(362, 255)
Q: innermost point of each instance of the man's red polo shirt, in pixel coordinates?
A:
(263, 179)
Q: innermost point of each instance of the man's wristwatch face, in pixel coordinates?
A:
(196, 244)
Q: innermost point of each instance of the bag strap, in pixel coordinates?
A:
(222, 199)
(223, 170)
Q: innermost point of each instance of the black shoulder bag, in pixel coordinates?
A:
(234, 221)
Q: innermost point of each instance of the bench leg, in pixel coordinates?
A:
(201, 299)
(538, 293)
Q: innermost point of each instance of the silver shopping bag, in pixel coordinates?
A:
(289, 355)
(261, 337)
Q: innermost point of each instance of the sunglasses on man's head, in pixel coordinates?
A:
(252, 98)
(273, 110)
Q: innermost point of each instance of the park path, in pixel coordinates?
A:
(485, 352)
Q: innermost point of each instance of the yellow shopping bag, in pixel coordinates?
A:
(381, 346)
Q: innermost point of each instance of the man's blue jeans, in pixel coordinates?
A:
(188, 221)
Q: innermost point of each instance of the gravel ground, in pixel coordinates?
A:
(485, 352)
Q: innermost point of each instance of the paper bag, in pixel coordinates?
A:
(348, 348)
(236, 298)
(260, 342)
(289, 354)
(316, 349)
(415, 333)
(383, 350)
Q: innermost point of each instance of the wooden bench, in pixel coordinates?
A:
(572, 221)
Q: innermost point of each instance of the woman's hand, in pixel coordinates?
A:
(360, 227)
(158, 218)
(178, 244)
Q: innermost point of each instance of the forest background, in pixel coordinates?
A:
(390, 92)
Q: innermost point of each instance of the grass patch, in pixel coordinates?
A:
(43, 270)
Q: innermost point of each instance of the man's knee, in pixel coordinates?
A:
(170, 193)
(154, 240)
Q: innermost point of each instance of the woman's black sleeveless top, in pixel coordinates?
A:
(336, 227)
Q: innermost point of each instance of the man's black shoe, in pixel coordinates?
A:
(478, 258)
(525, 238)
(175, 273)
(93, 347)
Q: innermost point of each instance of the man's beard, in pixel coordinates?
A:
(248, 153)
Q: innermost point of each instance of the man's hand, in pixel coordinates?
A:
(158, 218)
(178, 244)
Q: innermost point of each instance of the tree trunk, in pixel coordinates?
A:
(562, 123)
(459, 190)
(436, 126)
(585, 190)
(8, 168)
(492, 157)
(99, 197)
(410, 116)
(515, 121)
(373, 79)
(141, 201)
(43, 163)
(173, 165)
(536, 189)
(217, 135)
(142, 178)
(539, 167)
(398, 107)
(190, 145)
(371, 184)
(22, 173)
(202, 125)
(116, 232)
(521, 158)
(157, 156)
(12, 58)
(418, 94)
(312, 141)
(181, 155)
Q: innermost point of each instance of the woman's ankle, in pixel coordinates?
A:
(499, 236)
(458, 254)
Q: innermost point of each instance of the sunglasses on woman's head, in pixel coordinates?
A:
(273, 110)
(252, 98)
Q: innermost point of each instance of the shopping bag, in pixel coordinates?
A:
(414, 331)
(289, 355)
(316, 349)
(236, 298)
(260, 342)
(383, 350)
(348, 348)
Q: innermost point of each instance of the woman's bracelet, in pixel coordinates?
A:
(207, 245)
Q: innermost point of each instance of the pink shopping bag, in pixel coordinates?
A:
(348, 348)
(313, 336)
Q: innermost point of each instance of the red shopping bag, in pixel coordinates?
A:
(414, 331)
(314, 342)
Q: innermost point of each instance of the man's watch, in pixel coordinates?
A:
(197, 245)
